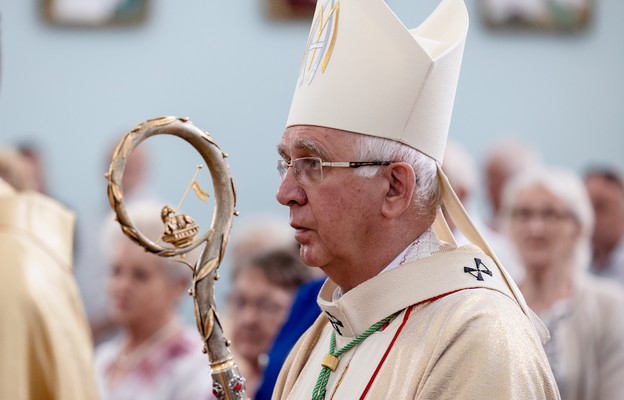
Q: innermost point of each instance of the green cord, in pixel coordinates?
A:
(321, 383)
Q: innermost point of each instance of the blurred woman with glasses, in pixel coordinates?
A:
(156, 356)
(548, 217)
(262, 292)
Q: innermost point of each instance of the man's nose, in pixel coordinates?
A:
(290, 191)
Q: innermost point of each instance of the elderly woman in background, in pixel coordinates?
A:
(155, 357)
(263, 288)
(548, 216)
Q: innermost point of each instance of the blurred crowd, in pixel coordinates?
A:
(559, 232)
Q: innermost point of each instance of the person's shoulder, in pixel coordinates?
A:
(483, 310)
(187, 341)
(106, 351)
(476, 321)
(603, 289)
(187, 355)
(482, 301)
(618, 255)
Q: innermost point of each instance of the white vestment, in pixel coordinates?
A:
(459, 334)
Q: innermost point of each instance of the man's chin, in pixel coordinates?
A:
(308, 256)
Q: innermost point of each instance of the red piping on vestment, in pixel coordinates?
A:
(396, 335)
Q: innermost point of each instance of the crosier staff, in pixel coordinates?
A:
(228, 384)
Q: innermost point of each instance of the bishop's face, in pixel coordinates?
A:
(332, 218)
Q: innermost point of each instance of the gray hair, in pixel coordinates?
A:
(568, 187)
(513, 155)
(258, 234)
(145, 216)
(427, 194)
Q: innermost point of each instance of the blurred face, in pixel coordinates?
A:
(138, 288)
(134, 171)
(495, 182)
(257, 309)
(542, 229)
(608, 204)
(332, 218)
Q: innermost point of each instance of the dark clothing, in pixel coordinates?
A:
(303, 313)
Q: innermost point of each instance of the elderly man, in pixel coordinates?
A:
(406, 313)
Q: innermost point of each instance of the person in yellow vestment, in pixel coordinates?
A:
(406, 313)
(46, 351)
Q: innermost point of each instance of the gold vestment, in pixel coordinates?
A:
(45, 345)
(464, 338)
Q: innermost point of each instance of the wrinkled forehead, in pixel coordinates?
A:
(316, 141)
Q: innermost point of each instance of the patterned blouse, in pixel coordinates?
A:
(168, 366)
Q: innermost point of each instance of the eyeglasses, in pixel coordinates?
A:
(265, 307)
(309, 170)
(547, 215)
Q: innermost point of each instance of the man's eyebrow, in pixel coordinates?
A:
(304, 145)
(281, 151)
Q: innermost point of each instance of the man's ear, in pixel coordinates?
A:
(401, 185)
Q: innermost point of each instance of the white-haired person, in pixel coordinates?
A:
(155, 356)
(506, 157)
(461, 170)
(406, 312)
(91, 263)
(549, 218)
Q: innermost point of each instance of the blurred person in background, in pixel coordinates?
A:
(262, 293)
(461, 171)
(606, 191)
(258, 234)
(549, 218)
(45, 346)
(303, 312)
(33, 152)
(505, 158)
(91, 260)
(155, 356)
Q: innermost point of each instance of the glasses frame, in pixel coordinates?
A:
(283, 165)
(548, 216)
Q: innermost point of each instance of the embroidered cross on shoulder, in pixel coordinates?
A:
(478, 271)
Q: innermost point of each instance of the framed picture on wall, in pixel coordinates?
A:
(94, 13)
(554, 15)
(290, 9)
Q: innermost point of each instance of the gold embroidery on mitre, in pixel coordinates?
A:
(321, 41)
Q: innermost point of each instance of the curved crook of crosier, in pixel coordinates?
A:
(228, 384)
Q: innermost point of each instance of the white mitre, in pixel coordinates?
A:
(363, 71)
